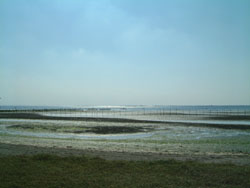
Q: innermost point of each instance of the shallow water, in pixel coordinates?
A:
(220, 122)
(155, 116)
(77, 136)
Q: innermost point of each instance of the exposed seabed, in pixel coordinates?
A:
(209, 139)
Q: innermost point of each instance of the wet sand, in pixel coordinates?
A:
(94, 119)
(35, 116)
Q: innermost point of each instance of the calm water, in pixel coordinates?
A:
(141, 108)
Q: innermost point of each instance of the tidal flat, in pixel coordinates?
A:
(38, 150)
(159, 140)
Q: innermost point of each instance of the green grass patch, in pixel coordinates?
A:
(54, 171)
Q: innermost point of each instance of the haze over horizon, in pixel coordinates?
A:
(117, 52)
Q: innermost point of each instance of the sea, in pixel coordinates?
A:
(234, 109)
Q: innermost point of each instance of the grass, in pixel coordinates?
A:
(54, 171)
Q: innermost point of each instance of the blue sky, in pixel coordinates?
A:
(115, 52)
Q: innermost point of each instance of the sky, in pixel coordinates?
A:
(124, 52)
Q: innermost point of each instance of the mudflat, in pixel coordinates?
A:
(123, 139)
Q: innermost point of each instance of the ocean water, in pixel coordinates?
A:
(143, 108)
